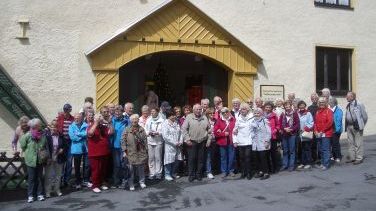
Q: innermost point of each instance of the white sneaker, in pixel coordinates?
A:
(40, 198)
(78, 187)
(89, 184)
(324, 168)
(142, 185)
(131, 188)
(169, 178)
(300, 166)
(30, 199)
(210, 176)
(104, 187)
(97, 190)
(307, 166)
(59, 194)
(338, 160)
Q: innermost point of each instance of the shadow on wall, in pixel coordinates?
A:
(143, 1)
(7, 117)
(262, 71)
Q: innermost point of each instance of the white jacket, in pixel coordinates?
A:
(244, 135)
(153, 125)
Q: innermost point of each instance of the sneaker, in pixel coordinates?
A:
(131, 188)
(103, 187)
(78, 187)
(177, 176)
(324, 168)
(142, 185)
(307, 166)
(96, 190)
(40, 198)
(319, 166)
(300, 166)
(169, 178)
(89, 184)
(30, 199)
(332, 158)
(59, 193)
(151, 177)
(264, 177)
(232, 174)
(210, 176)
(338, 160)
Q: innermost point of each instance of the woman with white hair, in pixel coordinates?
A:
(242, 139)
(21, 129)
(134, 146)
(261, 142)
(145, 113)
(34, 146)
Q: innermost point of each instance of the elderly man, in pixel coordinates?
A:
(111, 108)
(235, 108)
(217, 106)
(205, 104)
(313, 109)
(326, 93)
(195, 133)
(355, 120)
(259, 103)
(128, 111)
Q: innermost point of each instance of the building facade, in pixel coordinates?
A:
(64, 51)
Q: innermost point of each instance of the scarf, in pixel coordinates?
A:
(303, 112)
(267, 115)
(289, 118)
(36, 134)
(155, 118)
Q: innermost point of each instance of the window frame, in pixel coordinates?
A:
(351, 70)
(335, 6)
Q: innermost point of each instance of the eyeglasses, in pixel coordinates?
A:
(250, 102)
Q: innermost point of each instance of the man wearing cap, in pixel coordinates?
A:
(64, 120)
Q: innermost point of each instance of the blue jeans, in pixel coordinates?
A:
(35, 181)
(288, 145)
(170, 169)
(68, 166)
(227, 158)
(324, 146)
(117, 155)
(208, 160)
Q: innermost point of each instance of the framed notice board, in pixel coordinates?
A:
(272, 92)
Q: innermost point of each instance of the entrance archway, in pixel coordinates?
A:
(190, 77)
(175, 25)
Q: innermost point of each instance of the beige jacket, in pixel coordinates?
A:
(195, 129)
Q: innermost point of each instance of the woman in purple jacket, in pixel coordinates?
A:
(290, 125)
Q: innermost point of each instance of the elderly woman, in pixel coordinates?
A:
(171, 134)
(306, 127)
(21, 129)
(337, 115)
(279, 109)
(223, 133)
(57, 148)
(242, 139)
(211, 147)
(153, 129)
(98, 133)
(134, 146)
(34, 146)
(145, 113)
(290, 126)
(323, 130)
(261, 142)
(274, 126)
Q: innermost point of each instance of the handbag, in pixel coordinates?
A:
(43, 155)
(306, 136)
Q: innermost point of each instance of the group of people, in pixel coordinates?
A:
(117, 147)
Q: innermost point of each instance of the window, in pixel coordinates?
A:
(333, 69)
(345, 4)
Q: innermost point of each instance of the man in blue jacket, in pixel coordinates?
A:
(337, 121)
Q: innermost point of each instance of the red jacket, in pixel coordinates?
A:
(273, 123)
(324, 122)
(98, 143)
(220, 129)
(60, 122)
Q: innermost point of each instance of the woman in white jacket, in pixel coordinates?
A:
(173, 140)
(242, 138)
(153, 128)
(261, 142)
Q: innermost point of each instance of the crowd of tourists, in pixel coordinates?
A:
(116, 148)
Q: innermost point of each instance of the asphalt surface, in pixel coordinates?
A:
(342, 187)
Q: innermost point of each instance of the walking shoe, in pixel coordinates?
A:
(232, 174)
(177, 176)
(337, 160)
(258, 175)
(266, 176)
(131, 188)
(30, 199)
(103, 187)
(356, 162)
(158, 177)
(319, 166)
(210, 176)
(307, 166)
(40, 198)
(332, 158)
(151, 177)
(89, 184)
(169, 178)
(142, 185)
(96, 190)
(59, 193)
(324, 168)
(300, 166)
(78, 187)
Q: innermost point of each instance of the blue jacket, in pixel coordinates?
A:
(78, 137)
(337, 120)
(119, 126)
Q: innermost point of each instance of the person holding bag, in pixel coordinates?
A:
(306, 134)
(34, 146)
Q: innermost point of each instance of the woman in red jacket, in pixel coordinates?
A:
(223, 134)
(275, 127)
(98, 147)
(323, 129)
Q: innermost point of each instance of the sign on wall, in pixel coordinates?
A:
(272, 92)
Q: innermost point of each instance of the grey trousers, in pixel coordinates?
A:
(355, 142)
(52, 177)
(136, 169)
(35, 181)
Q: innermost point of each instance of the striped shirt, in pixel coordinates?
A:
(66, 128)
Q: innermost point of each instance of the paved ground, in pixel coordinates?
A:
(344, 187)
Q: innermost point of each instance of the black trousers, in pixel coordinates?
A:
(196, 158)
(77, 158)
(245, 153)
(314, 150)
(262, 161)
(336, 147)
(275, 156)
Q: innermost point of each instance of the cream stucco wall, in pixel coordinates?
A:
(52, 69)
